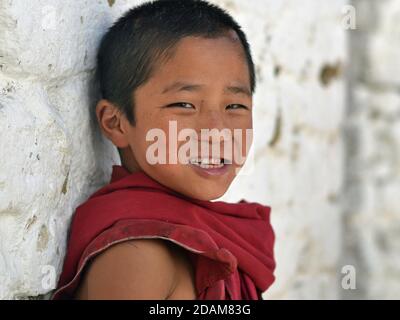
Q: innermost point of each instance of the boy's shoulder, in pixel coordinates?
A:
(132, 269)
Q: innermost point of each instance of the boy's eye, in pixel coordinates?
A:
(236, 106)
(184, 105)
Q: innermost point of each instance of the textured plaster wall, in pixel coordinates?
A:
(52, 155)
(372, 187)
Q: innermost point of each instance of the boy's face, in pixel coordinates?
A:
(204, 85)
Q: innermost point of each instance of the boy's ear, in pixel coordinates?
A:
(112, 123)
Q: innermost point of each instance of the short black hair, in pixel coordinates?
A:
(138, 41)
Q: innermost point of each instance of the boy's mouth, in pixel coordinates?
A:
(210, 166)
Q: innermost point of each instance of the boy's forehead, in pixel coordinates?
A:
(229, 35)
(196, 47)
(194, 56)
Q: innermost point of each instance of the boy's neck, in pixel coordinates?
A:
(128, 161)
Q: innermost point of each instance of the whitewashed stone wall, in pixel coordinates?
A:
(52, 155)
(372, 188)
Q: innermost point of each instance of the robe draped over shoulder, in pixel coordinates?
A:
(230, 244)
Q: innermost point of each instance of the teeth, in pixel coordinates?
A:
(207, 163)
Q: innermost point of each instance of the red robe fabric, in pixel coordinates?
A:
(230, 244)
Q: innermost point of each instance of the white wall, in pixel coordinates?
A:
(372, 204)
(51, 157)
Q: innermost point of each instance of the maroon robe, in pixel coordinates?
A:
(229, 244)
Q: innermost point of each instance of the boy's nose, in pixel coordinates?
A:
(211, 119)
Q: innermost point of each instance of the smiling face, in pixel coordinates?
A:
(205, 84)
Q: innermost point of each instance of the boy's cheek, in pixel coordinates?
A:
(169, 145)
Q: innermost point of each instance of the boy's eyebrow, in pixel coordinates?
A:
(186, 86)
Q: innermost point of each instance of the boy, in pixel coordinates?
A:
(153, 233)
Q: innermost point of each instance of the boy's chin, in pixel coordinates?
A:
(205, 189)
(201, 190)
(206, 194)
(191, 184)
